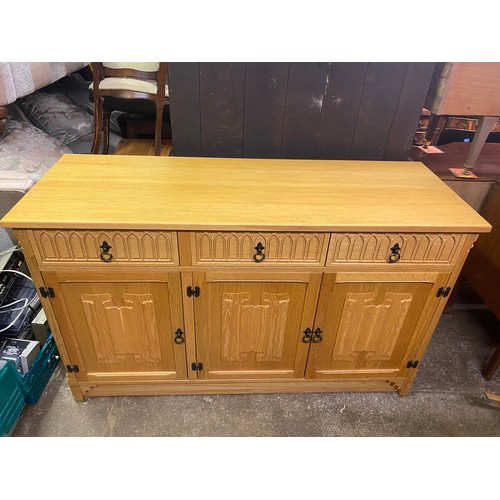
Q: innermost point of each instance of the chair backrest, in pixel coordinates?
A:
(153, 72)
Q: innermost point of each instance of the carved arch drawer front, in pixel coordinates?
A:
(90, 246)
(405, 248)
(243, 247)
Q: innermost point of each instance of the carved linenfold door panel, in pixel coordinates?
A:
(121, 326)
(249, 328)
(250, 325)
(371, 322)
(120, 330)
(370, 327)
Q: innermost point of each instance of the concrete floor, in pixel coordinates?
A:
(446, 400)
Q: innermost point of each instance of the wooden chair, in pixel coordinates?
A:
(114, 84)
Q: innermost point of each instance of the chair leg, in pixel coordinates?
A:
(106, 118)
(97, 125)
(159, 122)
(3, 119)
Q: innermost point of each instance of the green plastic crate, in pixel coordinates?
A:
(17, 390)
(11, 397)
(41, 370)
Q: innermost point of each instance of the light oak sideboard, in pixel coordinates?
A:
(169, 275)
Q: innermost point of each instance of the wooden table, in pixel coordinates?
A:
(465, 89)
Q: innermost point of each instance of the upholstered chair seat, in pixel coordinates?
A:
(131, 84)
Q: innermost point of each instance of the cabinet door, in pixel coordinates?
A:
(371, 324)
(251, 325)
(120, 326)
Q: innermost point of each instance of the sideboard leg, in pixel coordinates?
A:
(405, 388)
(76, 391)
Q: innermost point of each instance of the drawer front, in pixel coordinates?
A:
(240, 248)
(377, 248)
(150, 247)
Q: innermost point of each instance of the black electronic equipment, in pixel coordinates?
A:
(11, 260)
(21, 353)
(19, 301)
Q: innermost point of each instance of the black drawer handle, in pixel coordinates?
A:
(259, 256)
(179, 339)
(317, 336)
(307, 337)
(395, 256)
(105, 255)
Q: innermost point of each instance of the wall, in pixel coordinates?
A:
(297, 110)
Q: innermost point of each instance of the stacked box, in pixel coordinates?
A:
(43, 366)
(17, 390)
(11, 397)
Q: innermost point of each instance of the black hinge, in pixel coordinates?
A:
(72, 368)
(193, 291)
(47, 293)
(412, 364)
(443, 292)
(197, 367)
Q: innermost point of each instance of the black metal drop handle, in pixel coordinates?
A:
(259, 256)
(395, 256)
(307, 337)
(105, 255)
(179, 339)
(317, 336)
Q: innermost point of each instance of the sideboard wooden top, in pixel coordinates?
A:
(180, 193)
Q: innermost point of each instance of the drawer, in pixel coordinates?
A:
(242, 247)
(76, 246)
(376, 248)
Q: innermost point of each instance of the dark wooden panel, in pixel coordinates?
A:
(184, 90)
(408, 110)
(222, 89)
(296, 110)
(340, 110)
(265, 97)
(376, 113)
(305, 95)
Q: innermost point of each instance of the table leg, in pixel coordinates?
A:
(435, 126)
(491, 366)
(484, 127)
